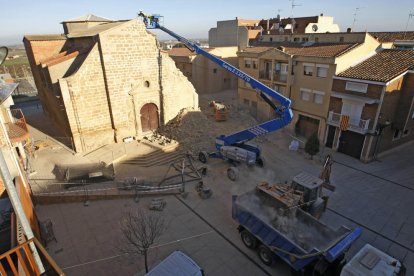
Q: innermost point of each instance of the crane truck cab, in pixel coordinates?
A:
(371, 261)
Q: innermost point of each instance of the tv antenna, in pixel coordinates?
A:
(278, 14)
(293, 5)
(410, 16)
(355, 16)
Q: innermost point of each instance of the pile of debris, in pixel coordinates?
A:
(192, 129)
(196, 132)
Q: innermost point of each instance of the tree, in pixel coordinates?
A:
(140, 229)
(312, 145)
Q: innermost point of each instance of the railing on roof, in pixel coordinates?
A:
(17, 130)
(355, 124)
(21, 257)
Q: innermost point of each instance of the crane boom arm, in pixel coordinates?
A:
(283, 111)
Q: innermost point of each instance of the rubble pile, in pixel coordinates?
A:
(196, 131)
(192, 129)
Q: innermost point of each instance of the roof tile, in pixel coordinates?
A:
(383, 66)
(305, 49)
(392, 36)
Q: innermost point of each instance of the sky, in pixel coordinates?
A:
(193, 19)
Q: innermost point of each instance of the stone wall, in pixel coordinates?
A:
(137, 73)
(106, 89)
(122, 73)
(85, 100)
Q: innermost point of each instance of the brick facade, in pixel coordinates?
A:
(390, 114)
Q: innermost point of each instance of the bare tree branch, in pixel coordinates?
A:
(140, 229)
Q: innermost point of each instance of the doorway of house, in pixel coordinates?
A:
(351, 143)
(149, 117)
(330, 137)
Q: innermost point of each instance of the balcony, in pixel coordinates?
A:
(264, 75)
(17, 130)
(356, 125)
(20, 261)
(278, 77)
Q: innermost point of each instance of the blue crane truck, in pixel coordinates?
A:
(235, 147)
(306, 244)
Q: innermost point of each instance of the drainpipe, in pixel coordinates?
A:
(15, 201)
(374, 127)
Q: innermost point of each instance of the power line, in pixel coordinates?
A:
(123, 254)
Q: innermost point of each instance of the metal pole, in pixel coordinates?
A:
(18, 209)
(14, 198)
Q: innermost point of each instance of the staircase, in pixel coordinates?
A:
(160, 156)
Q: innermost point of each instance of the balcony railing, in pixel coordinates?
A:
(357, 125)
(21, 257)
(265, 75)
(279, 77)
(17, 130)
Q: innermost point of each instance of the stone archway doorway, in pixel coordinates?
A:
(149, 117)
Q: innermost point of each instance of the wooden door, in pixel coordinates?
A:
(149, 117)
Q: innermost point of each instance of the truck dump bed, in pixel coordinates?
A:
(299, 228)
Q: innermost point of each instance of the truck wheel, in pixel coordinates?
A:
(232, 173)
(203, 157)
(248, 239)
(265, 255)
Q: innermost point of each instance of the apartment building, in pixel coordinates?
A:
(371, 108)
(103, 81)
(299, 25)
(240, 32)
(206, 76)
(302, 71)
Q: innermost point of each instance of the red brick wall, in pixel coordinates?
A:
(374, 91)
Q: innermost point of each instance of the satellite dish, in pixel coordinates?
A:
(314, 27)
(3, 54)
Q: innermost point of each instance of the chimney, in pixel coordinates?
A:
(267, 25)
(349, 30)
(321, 14)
